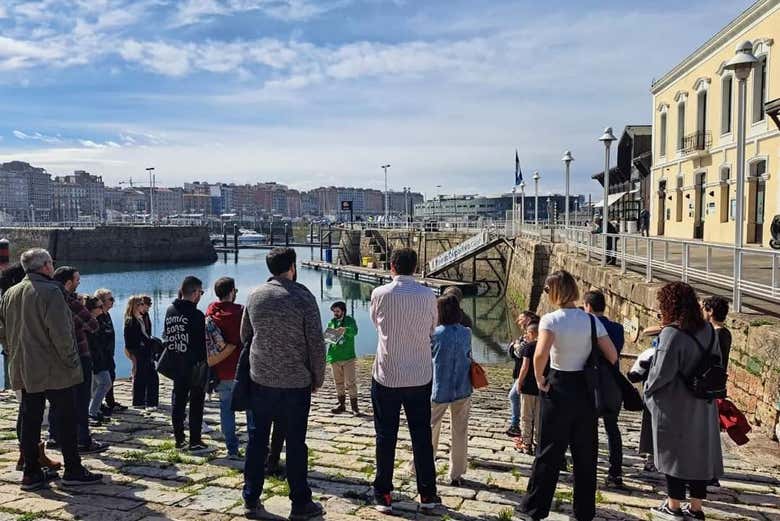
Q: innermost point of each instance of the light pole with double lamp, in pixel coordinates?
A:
(567, 159)
(742, 63)
(522, 205)
(607, 138)
(387, 194)
(536, 199)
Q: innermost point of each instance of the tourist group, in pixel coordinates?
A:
(268, 357)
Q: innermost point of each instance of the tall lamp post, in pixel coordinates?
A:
(607, 138)
(522, 205)
(151, 194)
(567, 159)
(387, 194)
(741, 64)
(514, 211)
(536, 198)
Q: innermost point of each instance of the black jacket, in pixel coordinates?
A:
(135, 341)
(101, 345)
(185, 333)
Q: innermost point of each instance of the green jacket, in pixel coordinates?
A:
(345, 349)
(36, 330)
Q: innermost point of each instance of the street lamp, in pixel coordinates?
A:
(741, 64)
(522, 205)
(607, 138)
(567, 159)
(514, 211)
(536, 198)
(151, 194)
(387, 194)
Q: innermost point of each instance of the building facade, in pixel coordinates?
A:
(694, 137)
(498, 208)
(25, 192)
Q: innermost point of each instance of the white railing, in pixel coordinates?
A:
(462, 250)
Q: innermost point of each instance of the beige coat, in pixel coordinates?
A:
(36, 329)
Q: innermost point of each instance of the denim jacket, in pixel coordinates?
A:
(451, 346)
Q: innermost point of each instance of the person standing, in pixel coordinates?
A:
(516, 353)
(405, 315)
(456, 292)
(101, 361)
(84, 322)
(526, 386)
(715, 311)
(568, 414)
(225, 315)
(686, 429)
(107, 338)
(185, 337)
(283, 328)
(451, 347)
(146, 383)
(596, 304)
(342, 358)
(36, 329)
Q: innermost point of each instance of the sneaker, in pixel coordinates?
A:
(256, 511)
(51, 443)
(118, 407)
(429, 502)
(665, 513)
(236, 456)
(692, 514)
(384, 503)
(306, 511)
(38, 480)
(513, 432)
(96, 421)
(456, 482)
(93, 447)
(614, 482)
(198, 446)
(81, 477)
(180, 443)
(106, 411)
(650, 466)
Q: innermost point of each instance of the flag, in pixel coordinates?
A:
(518, 173)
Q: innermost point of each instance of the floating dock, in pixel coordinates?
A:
(376, 276)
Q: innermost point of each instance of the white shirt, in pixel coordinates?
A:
(405, 315)
(572, 344)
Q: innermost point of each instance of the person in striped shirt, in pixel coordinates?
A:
(405, 315)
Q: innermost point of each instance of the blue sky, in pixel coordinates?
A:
(313, 92)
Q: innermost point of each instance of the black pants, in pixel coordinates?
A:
(416, 402)
(110, 400)
(63, 401)
(82, 394)
(294, 405)
(568, 419)
(184, 393)
(615, 443)
(146, 384)
(278, 435)
(675, 487)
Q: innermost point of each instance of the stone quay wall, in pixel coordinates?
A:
(137, 244)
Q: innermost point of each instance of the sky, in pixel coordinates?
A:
(321, 92)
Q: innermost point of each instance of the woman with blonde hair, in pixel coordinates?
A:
(139, 350)
(568, 413)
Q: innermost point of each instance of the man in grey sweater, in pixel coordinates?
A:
(282, 327)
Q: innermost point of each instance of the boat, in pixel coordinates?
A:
(250, 237)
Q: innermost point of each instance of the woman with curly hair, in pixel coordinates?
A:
(686, 431)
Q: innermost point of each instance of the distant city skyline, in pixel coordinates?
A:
(316, 93)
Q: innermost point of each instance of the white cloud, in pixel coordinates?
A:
(194, 11)
(88, 143)
(36, 136)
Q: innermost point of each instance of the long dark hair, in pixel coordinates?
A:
(679, 304)
(449, 310)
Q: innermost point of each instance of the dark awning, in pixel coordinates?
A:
(773, 109)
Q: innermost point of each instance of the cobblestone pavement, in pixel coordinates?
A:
(147, 479)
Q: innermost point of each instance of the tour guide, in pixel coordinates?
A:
(341, 356)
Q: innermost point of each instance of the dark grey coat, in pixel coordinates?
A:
(686, 429)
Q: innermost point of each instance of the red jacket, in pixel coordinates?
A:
(733, 421)
(227, 317)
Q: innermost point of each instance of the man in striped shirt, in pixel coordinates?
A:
(404, 313)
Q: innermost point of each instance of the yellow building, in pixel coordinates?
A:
(694, 137)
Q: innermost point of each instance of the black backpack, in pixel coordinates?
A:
(707, 380)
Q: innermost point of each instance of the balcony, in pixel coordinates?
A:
(697, 143)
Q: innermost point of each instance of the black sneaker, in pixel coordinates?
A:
(306, 511)
(93, 447)
(513, 432)
(106, 411)
(429, 502)
(692, 514)
(257, 511)
(456, 482)
(198, 446)
(384, 503)
(81, 477)
(664, 513)
(96, 421)
(118, 407)
(180, 444)
(38, 480)
(614, 482)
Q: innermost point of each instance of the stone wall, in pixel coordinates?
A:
(529, 268)
(139, 244)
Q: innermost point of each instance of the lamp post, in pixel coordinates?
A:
(387, 194)
(514, 211)
(567, 159)
(522, 205)
(536, 198)
(151, 194)
(607, 138)
(741, 64)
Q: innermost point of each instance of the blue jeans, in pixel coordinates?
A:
(101, 383)
(227, 417)
(514, 405)
(291, 406)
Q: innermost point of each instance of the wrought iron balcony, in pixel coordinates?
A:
(699, 141)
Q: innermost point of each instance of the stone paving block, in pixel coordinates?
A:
(35, 504)
(214, 499)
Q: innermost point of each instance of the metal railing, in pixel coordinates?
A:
(699, 140)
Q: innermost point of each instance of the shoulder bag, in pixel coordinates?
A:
(600, 374)
(478, 376)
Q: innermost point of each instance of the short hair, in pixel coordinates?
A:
(561, 288)
(223, 286)
(190, 285)
(102, 293)
(11, 276)
(719, 307)
(280, 260)
(595, 299)
(341, 305)
(449, 310)
(454, 291)
(91, 302)
(64, 274)
(533, 326)
(404, 260)
(530, 315)
(34, 259)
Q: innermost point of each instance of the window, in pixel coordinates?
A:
(758, 168)
(725, 109)
(701, 112)
(680, 125)
(725, 196)
(759, 89)
(662, 145)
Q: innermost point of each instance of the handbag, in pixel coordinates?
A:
(242, 388)
(600, 375)
(478, 376)
(167, 364)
